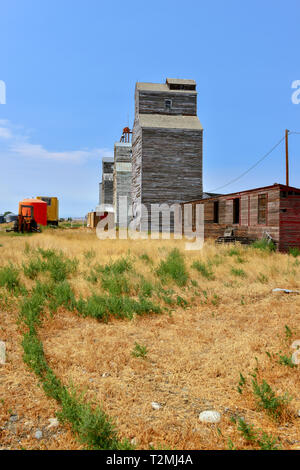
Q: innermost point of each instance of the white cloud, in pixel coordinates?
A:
(5, 133)
(20, 145)
(28, 150)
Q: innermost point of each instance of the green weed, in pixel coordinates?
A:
(233, 252)
(267, 399)
(118, 267)
(9, 278)
(115, 285)
(264, 245)
(89, 254)
(262, 278)
(146, 288)
(242, 383)
(145, 257)
(181, 302)
(101, 307)
(294, 251)
(204, 270)
(238, 272)
(286, 361)
(288, 332)
(257, 438)
(173, 267)
(139, 350)
(33, 268)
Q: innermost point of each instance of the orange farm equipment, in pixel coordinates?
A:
(32, 213)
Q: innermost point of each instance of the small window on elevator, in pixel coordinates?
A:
(236, 210)
(168, 105)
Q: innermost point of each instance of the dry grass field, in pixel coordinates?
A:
(135, 322)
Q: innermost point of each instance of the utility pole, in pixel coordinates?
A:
(287, 156)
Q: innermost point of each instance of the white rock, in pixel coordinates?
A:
(53, 423)
(106, 374)
(38, 434)
(298, 413)
(210, 416)
(2, 353)
(13, 418)
(134, 441)
(286, 291)
(155, 406)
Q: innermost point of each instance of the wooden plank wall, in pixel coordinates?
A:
(289, 222)
(107, 182)
(171, 166)
(154, 103)
(122, 180)
(136, 179)
(244, 210)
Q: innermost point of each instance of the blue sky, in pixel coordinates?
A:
(70, 68)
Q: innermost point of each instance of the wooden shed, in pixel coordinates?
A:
(92, 219)
(166, 147)
(273, 209)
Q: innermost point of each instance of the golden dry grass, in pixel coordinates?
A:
(194, 355)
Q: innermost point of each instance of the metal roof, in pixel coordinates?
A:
(263, 188)
(180, 81)
(161, 87)
(209, 195)
(123, 144)
(169, 121)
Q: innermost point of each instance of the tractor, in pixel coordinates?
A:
(31, 213)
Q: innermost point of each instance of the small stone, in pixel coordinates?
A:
(28, 423)
(2, 353)
(298, 413)
(133, 441)
(38, 434)
(13, 418)
(53, 423)
(210, 416)
(106, 374)
(155, 406)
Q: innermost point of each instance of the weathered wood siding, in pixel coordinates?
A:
(171, 169)
(166, 158)
(107, 182)
(283, 226)
(154, 103)
(122, 182)
(171, 164)
(289, 222)
(136, 178)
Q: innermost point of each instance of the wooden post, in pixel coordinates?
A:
(287, 156)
